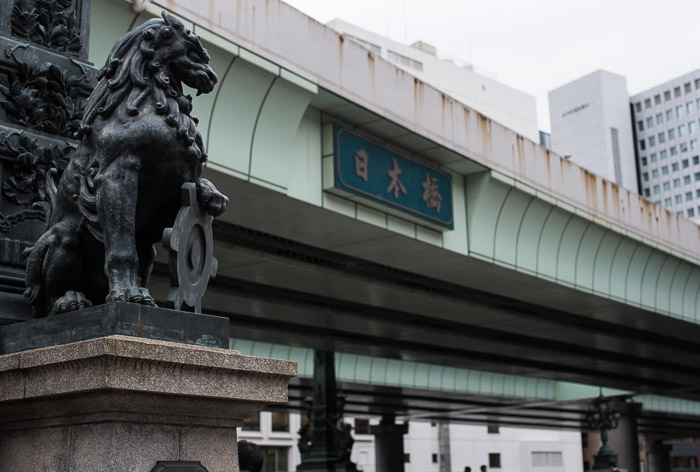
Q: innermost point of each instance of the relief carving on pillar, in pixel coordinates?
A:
(50, 23)
(43, 96)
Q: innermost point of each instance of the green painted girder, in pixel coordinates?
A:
(531, 233)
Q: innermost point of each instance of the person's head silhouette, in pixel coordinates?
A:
(250, 456)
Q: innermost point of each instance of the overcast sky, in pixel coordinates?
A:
(538, 45)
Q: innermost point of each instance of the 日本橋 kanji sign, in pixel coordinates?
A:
(384, 177)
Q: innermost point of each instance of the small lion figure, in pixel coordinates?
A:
(139, 144)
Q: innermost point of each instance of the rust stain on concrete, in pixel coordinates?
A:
(590, 183)
(519, 148)
(418, 89)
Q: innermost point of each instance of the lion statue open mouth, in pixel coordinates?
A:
(122, 186)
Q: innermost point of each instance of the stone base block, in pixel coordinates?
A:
(120, 404)
(116, 446)
(128, 319)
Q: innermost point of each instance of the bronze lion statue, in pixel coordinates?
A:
(121, 188)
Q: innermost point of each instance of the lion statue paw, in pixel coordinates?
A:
(71, 301)
(134, 295)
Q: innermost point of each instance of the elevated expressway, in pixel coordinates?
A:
(552, 283)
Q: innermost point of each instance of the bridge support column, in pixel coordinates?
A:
(658, 456)
(388, 444)
(624, 440)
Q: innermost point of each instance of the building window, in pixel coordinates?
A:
(657, 189)
(669, 115)
(435, 458)
(645, 176)
(652, 156)
(692, 127)
(638, 107)
(547, 458)
(685, 163)
(676, 183)
(664, 170)
(655, 173)
(674, 166)
(696, 160)
(361, 426)
(697, 178)
(405, 60)
(698, 103)
(689, 107)
(280, 422)
(650, 122)
(641, 145)
(667, 95)
(667, 186)
(676, 91)
(644, 161)
(674, 150)
(647, 103)
(688, 196)
(494, 460)
(672, 134)
(662, 154)
(652, 141)
(679, 199)
(686, 179)
(657, 99)
(662, 137)
(687, 88)
(667, 202)
(275, 459)
(697, 192)
(492, 429)
(659, 118)
(679, 111)
(252, 423)
(693, 144)
(691, 212)
(681, 130)
(646, 192)
(640, 125)
(684, 147)
(697, 84)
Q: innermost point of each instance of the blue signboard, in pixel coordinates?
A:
(387, 178)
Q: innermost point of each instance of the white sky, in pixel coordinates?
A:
(538, 45)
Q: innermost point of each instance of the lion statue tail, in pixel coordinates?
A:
(35, 255)
(34, 274)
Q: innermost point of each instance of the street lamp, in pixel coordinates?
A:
(602, 416)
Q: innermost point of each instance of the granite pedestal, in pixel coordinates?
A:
(122, 403)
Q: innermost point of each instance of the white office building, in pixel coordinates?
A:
(591, 125)
(667, 127)
(463, 82)
(429, 447)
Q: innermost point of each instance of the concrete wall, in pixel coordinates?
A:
(583, 112)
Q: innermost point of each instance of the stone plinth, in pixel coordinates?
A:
(123, 403)
(129, 319)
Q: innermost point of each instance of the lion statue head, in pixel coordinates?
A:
(151, 62)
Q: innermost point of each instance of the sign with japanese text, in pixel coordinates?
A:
(390, 179)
